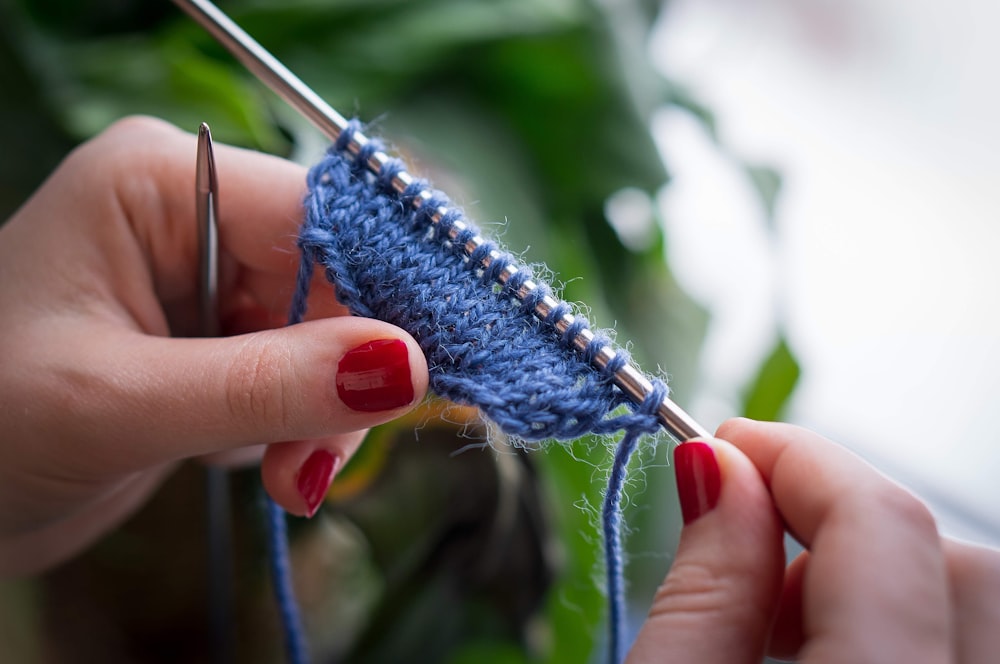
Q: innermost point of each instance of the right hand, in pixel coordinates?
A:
(877, 582)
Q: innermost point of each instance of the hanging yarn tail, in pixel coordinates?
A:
(296, 648)
(611, 521)
(614, 555)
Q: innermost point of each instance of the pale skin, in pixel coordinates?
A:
(876, 584)
(98, 401)
(100, 398)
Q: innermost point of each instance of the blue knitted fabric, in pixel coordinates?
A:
(484, 347)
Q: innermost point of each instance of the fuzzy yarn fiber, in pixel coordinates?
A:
(393, 261)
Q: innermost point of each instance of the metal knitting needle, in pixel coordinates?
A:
(276, 76)
(216, 477)
(206, 213)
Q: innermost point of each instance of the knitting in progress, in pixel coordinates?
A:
(396, 262)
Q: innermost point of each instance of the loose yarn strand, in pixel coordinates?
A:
(296, 649)
(614, 550)
(614, 556)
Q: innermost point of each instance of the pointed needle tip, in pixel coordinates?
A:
(205, 171)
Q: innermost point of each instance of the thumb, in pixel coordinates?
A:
(192, 397)
(717, 602)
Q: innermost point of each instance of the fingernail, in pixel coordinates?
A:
(314, 479)
(698, 479)
(375, 376)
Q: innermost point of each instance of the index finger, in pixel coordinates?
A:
(876, 584)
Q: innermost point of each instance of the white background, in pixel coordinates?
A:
(884, 120)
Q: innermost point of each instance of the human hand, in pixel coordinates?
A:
(100, 398)
(876, 584)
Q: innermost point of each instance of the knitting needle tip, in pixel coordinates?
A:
(206, 213)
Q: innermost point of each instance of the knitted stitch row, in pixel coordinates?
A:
(391, 260)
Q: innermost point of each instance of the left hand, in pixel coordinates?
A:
(99, 398)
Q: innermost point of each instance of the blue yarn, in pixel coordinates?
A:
(611, 521)
(296, 648)
(484, 347)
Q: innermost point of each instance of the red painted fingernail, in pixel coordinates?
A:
(315, 477)
(698, 479)
(375, 376)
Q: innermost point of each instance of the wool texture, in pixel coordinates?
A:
(278, 554)
(391, 260)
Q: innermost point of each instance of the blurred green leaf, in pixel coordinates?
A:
(134, 74)
(774, 384)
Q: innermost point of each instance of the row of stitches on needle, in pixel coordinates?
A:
(484, 347)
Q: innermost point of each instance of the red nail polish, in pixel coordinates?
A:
(375, 376)
(698, 479)
(315, 477)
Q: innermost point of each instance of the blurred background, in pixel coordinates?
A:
(786, 206)
(881, 119)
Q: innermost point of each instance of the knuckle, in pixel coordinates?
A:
(695, 590)
(906, 509)
(136, 125)
(118, 145)
(258, 384)
(698, 593)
